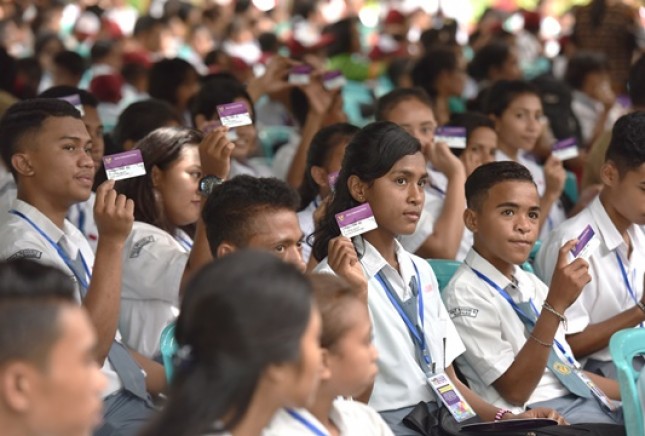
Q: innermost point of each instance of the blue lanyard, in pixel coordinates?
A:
(304, 421)
(184, 243)
(81, 218)
(82, 280)
(417, 333)
(628, 285)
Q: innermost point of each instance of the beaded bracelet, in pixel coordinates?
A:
(544, 344)
(640, 305)
(500, 413)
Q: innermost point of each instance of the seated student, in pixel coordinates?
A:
(247, 212)
(510, 322)
(349, 368)
(481, 140)
(223, 90)
(239, 363)
(50, 382)
(176, 82)
(324, 159)
(158, 256)
(516, 109)
(440, 229)
(614, 298)
(384, 167)
(48, 146)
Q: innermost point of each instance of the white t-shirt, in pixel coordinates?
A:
(492, 331)
(18, 239)
(606, 295)
(82, 216)
(351, 417)
(307, 225)
(400, 381)
(153, 265)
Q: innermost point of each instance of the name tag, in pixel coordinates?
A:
(356, 221)
(300, 75)
(565, 149)
(333, 80)
(455, 137)
(451, 397)
(124, 165)
(234, 114)
(587, 244)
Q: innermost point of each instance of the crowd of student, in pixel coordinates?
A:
(283, 324)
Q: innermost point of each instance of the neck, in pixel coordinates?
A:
(51, 209)
(499, 264)
(509, 151)
(619, 221)
(321, 408)
(384, 244)
(260, 412)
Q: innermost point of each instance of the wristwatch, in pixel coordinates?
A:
(207, 184)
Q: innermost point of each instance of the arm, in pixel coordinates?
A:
(114, 215)
(155, 375)
(554, 178)
(343, 260)
(273, 80)
(608, 386)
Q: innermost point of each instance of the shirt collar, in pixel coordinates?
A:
(373, 262)
(479, 263)
(608, 231)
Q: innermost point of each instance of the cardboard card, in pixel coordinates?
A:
(356, 221)
(333, 80)
(587, 243)
(234, 114)
(124, 165)
(455, 137)
(565, 149)
(300, 75)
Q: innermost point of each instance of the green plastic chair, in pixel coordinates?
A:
(168, 348)
(571, 187)
(624, 346)
(443, 269)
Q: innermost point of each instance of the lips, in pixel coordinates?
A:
(86, 179)
(413, 215)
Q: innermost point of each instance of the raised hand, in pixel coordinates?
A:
(568, 279)
(215, 153)
(113, 213)
(342, 258)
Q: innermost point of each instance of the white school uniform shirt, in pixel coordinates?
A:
(606, 295)
(400, 381)
(8, 189)
(252, 167)
(492, 331)
(82, 216)
(153, 265)
(307, 225)
(557, 215)
(18, 240)
(351, 417)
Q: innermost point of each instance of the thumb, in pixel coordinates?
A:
(564, 253)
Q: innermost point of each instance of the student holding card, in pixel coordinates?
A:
(613, 300)
(384, 170)
(440, 229)
(510, 322)
(158, 256)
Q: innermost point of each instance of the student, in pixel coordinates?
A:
(239, 362)
(481, 140)
(385, 168)
(510, 322)
(613, 300)
(175, 81)
(323, 160)
(349, 368)
(440, 229)
(49, 149)
(158, 256)
(516, 109)
(50, 381)
(259, 213)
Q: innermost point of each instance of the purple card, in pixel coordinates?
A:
(124, 165)
(333, 80)
(586, 243)
(234, 114)
(356, 221)
(300, 75)
(565, 149)
(455, 137)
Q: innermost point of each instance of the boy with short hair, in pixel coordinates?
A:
(47, 385)
(613, 300)
(249, 212)
(516, 353)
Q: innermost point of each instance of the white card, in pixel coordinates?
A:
(565, 149)
(356, 221)
(234, 114)
(455, 137)
(124, 165)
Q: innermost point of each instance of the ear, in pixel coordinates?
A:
(357, 188)
(224, 248)
(495, 119)
(326, 372)
(22, 164)
(319, 175)
(200, 120)
(156, 176)
(470, 219)
(17, 386)
(609, 174)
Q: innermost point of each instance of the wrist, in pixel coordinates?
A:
(641, 306)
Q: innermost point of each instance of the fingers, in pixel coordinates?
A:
(563, 255)
(101, 191)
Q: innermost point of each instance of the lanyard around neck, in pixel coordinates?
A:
(304, 421)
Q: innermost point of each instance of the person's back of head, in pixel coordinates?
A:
(141, 118)
(636, 84)
(51, 383)
(100, 50)
(69, 67)
(427, 71)
(235, 354)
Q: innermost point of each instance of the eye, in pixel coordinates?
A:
(195, 174)
(534, 215)
(280, 248)
(300, 243)
(69, 147)
(508, 212)
(400, 181)
(520, 115)
(423, 182)
(88, 150)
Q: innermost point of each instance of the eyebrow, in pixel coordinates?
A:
(408, 173)
(516, 206)
(74, 138)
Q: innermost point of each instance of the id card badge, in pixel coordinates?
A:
(455, 137)
(356, 221)
(565, 149)
(300, 75)
(587, 243)
(234, 114)
(124, 165)
(333, 80)
(451, 397)
(602, 398)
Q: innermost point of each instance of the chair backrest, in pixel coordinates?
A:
(168, 347)
(624, 346)
(443, 269)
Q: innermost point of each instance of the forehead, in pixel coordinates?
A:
(414, 163)
(55, 129)
(410, 110)
(483, 134)
(525, 101)
(273, 225)
(521, 192)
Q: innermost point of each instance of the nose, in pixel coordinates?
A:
(416, 193)
(523, 223)
(295, 257)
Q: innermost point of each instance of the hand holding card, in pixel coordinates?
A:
(215, 153)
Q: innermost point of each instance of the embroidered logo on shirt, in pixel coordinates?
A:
(28, 253)
(463, 311)
(138, 246)
(561, 368)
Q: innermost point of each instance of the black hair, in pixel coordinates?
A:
(166, 76)
(322, 144)
(218, 90)
(30, 72)
(160, 148)
(398, 69)
(427, 69)
(232, 208)
(582, 64)
(636, 83)
(269, 42)
(504, 92)
(100, 49)
(492, 55)
(343, 36)
(141, 118)
(61, 91)
(303, 8)
(390, 100)
(28, 116)
(70, 61)
(471, 121)
(146, 23)
(488, 175)
(7, 72)
(44, 38)
(31, 298)
(627, 147)
(371, 153)
(228, 343)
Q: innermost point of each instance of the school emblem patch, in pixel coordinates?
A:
(562, 368)
(463, 311)
(28, 253)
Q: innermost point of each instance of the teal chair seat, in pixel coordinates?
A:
(624, 346)
(571, 187)
(168, 348)
(443, 269)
